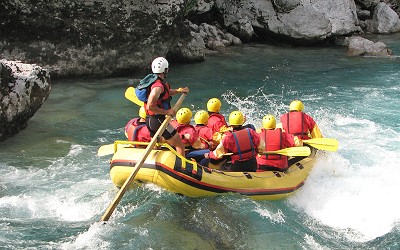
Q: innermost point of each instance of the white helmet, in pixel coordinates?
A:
(159, 65)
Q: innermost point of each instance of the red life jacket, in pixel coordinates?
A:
(164, 99)
(132, 131)
(244, 146)
(183, 129)
(273, 142)
(295, 124)
(216, 121)
(205, 133)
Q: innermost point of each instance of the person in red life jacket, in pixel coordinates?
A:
(190, 136)
(158, 105)
(298, 123)
(243, 143)
(275, 139)
(136, 129)
(205, 133)
(216, 121)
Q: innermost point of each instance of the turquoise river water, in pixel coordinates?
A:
(54, 188)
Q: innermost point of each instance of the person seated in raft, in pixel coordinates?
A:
(275, 139)
(136, 130)
(242, 143)
(190, 136)
(205, 133)
(216, 121)
(298, 123)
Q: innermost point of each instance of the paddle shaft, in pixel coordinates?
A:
(292, 151)
(139, 164)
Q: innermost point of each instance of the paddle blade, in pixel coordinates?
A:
(328, 144)
(131, 96)
(109, 149)
(293, 151)
(106, 150)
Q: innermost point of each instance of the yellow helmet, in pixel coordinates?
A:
(214, 105)
(201, 117)
(142, 113)
(269, 122)
(236, 118)
(296, 105)
(184, 115)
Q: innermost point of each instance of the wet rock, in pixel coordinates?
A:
(359, 46)
(23, 90)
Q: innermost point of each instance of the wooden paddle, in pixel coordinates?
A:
(139, 164)
(328, 144)
(292, 151)
(131, 96)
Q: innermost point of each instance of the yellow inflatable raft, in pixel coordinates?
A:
(172, 172)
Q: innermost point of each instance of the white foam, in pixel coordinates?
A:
(89, 239)
(355, 195)
(277, 217)
(353, 191)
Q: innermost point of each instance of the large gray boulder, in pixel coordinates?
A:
(359, 46)
(23, 90)
(384, 20)
(299, 20)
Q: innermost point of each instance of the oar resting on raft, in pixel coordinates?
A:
(139, 164)
(109, 149)
(292, 151)
(328, 144)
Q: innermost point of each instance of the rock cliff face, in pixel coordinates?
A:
(110, 37)
(97, 38)
(23, 89)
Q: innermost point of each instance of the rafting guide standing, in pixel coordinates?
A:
(157, 95)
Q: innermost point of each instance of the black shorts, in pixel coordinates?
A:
(153, 123)
(249, 165)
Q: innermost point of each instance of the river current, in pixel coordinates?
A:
(54, 188)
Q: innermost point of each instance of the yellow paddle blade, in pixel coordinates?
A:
(328, 144)
(131, 96)
(109, 149)
(293, 151)
(106, 150)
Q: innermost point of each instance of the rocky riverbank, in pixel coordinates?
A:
(108, 38)
(71, 38)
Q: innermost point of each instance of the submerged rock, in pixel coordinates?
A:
(359, 46)
(23, 90)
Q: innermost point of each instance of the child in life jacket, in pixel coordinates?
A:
(242, 143)
(298, 123)
(275, 139)
(190, 136)
(136, 130)
(216, 121)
